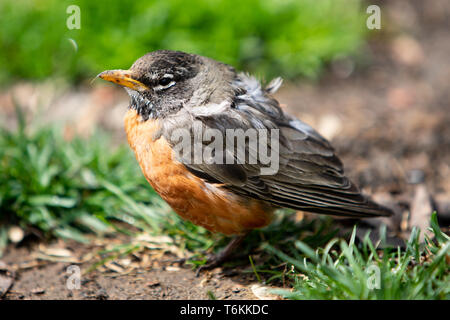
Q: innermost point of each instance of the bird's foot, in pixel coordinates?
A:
(216, 260)
(212, 262)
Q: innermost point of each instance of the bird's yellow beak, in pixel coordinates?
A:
(124, 78)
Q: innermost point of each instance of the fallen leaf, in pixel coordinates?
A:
(155, 239)
(172, 269)
(114, 267)
(125, 262)
(38, 291)
(263, 292)
(55, 252)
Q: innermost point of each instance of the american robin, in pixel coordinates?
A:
(172, 90)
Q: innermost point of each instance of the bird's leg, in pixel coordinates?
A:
(222, 256)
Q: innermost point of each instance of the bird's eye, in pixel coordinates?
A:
(164, 81)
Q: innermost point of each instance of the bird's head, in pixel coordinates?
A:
(163, 82)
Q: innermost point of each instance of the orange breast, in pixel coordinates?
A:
(204, 204)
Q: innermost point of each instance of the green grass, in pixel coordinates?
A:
(288, 38)
(69, 189)
(346, 270)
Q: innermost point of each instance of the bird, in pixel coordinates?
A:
(174, 91)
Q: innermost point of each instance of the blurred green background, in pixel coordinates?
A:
(268, 37)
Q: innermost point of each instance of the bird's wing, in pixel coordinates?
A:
(309, 177)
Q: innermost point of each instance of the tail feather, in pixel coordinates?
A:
(365, 209)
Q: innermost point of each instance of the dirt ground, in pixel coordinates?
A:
(387, 115)
(48, 280)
